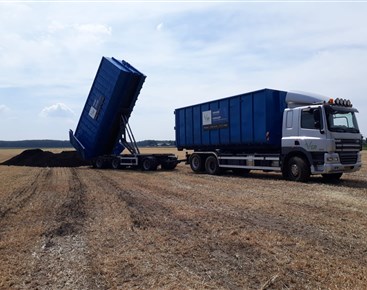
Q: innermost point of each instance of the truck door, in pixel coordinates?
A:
(311, 131)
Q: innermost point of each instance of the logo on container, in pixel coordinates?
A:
(207, 118)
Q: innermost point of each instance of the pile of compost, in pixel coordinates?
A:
(40, 158)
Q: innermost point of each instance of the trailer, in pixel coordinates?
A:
(103, 131)
(297, 134)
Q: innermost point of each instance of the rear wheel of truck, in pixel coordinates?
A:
(149, 164)
(196, 163)
(99, 163)
(297, 169)
(115, 163)
(212, 166)
(333, 177)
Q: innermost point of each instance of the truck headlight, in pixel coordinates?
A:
(332, 159)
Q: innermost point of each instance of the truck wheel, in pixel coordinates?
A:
(333, 177)
(115, 163)
(297, 170)
(99, 163)
(149, 164)
(196, 163)
(212, 166)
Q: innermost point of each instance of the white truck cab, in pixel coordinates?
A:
(320, 135)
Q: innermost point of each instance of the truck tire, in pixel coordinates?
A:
(212, 166)
(297, 169)
(196, 163)
(149, 164)
(333, 177)
(115, 163)
(99, 163)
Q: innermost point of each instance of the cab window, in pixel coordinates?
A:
(308, 119)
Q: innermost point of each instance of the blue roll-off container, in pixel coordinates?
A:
(113, 94)
(246, 122)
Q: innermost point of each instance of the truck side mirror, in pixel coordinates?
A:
(317, 125)
(317, 118)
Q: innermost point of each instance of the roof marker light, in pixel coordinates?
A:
(341, 102)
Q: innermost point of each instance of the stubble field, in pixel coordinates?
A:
(82, 228)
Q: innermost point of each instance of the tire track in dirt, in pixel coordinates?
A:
(18, 199)
(61, 259)
(19, 230)
(228, 225)
(141, 248)
(189, 247)
(45, 245)
(71, 214)
(108, 225)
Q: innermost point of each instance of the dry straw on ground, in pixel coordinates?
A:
(79, 228)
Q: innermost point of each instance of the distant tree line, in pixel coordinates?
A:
(66, 144)
(156, 143)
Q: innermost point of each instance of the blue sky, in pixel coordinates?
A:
(190, 52)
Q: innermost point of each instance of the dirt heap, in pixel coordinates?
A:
(40, 158)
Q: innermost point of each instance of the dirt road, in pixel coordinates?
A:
(79, 228)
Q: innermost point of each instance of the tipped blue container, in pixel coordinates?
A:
(113, 94)
(246, 122)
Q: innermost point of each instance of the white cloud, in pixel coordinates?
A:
(94, 28)
(190, 52)
(4, 109)
(160, 26)
(58, 110)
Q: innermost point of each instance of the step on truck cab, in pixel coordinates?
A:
(103, 131)
(295, 133)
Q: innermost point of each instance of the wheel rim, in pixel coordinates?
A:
(146, 164)
(195, 162)
(212, 165)
(115, 164)
(294, 170)
(99, 163)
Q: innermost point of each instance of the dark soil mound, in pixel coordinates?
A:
(40, 158)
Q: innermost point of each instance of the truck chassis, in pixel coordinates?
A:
(145, 162)
(295, 167)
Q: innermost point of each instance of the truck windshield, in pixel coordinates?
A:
(341, 120)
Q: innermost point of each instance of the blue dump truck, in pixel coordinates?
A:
(298, 134)
(103, 131)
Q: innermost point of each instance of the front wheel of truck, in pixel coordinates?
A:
(297, 169)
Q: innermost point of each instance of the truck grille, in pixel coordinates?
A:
(348, 144)
(348, 157)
